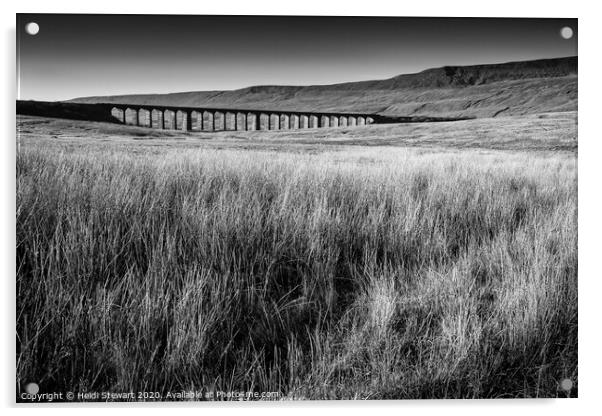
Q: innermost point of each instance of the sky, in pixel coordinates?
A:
(88, 55)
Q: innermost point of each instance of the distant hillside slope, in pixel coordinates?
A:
(513, 88)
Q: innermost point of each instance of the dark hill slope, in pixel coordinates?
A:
(454, 91)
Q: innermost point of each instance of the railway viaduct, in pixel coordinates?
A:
(214, 119)
(209, 119)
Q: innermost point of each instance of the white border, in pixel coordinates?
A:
(590, 201)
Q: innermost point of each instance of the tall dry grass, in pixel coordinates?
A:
(365, 274)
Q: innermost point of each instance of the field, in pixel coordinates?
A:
(434, 260)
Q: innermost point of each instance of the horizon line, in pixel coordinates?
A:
(317, 85)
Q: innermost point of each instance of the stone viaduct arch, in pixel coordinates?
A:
(203, 119)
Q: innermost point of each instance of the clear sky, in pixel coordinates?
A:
(84, 55)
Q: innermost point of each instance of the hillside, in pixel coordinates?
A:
(514, 88)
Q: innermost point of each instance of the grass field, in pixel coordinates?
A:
(318, 264)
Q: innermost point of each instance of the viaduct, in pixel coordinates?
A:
(209, 119)
(214, 119)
